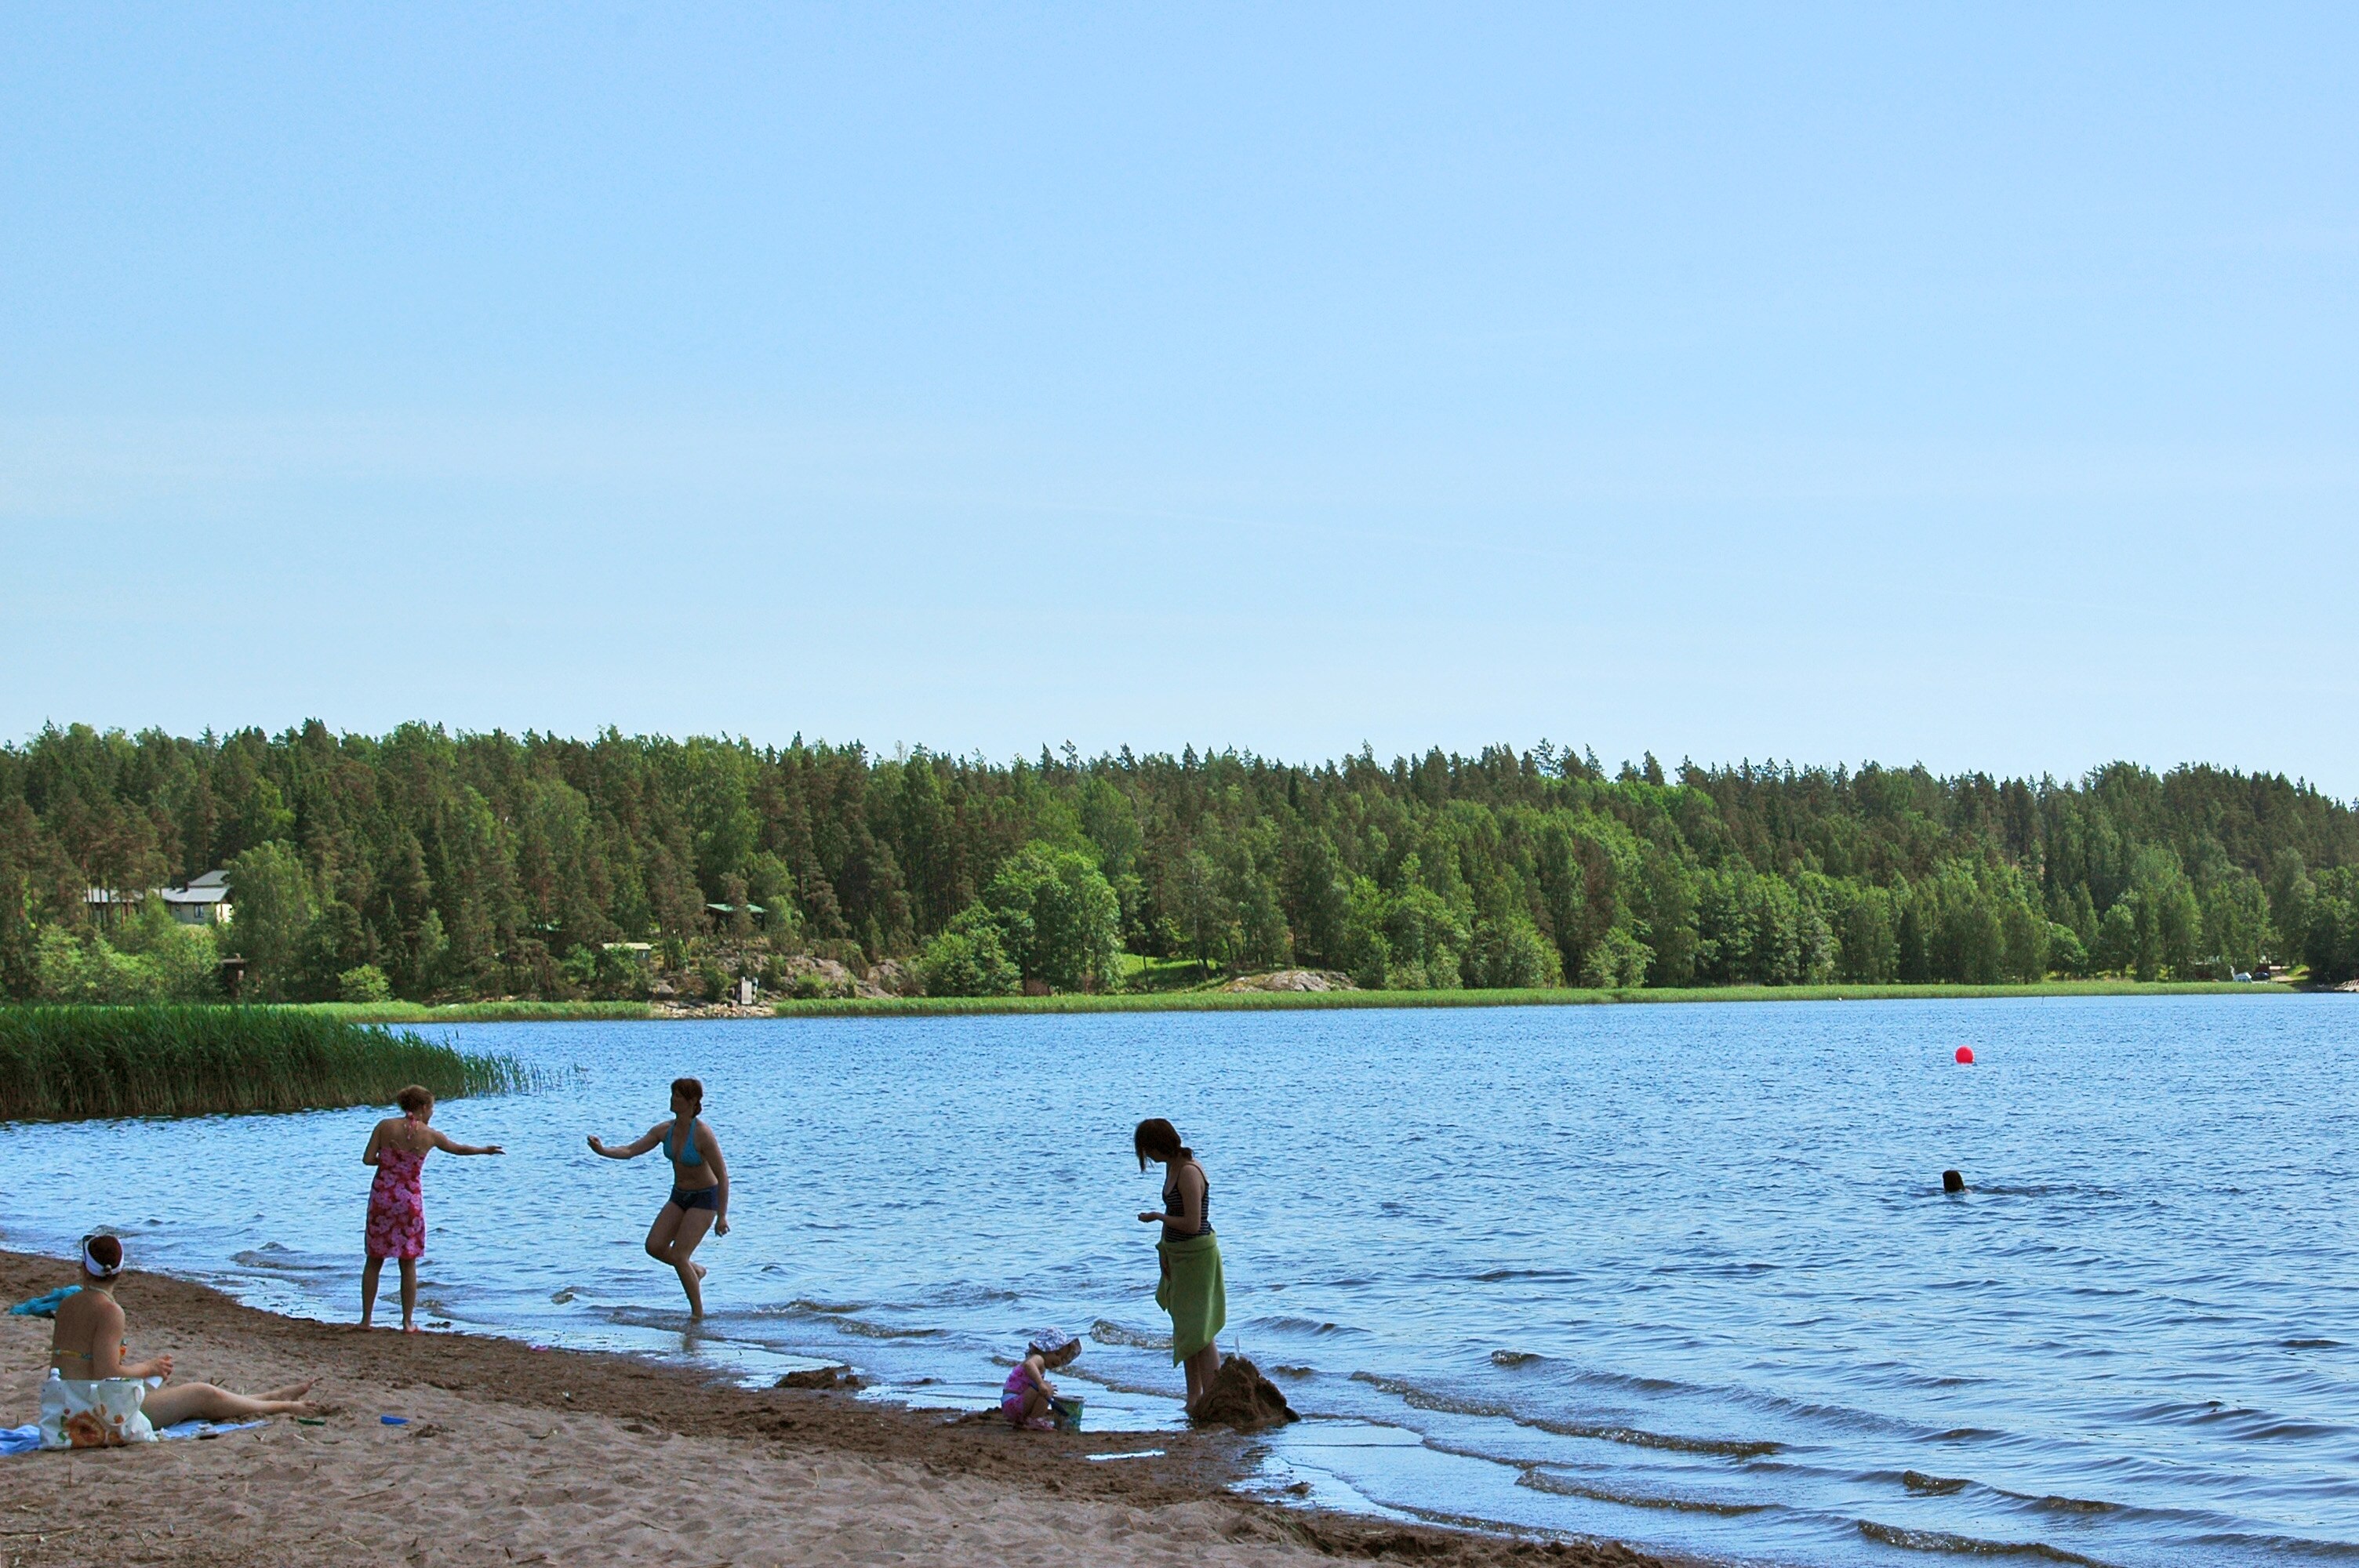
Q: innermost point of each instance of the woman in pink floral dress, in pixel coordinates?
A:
(397, 1147)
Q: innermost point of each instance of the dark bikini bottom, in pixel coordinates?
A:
(697, 1198)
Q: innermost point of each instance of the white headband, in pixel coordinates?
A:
(90, 1262)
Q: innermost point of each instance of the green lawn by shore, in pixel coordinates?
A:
(1253, 1001)
(1257, 1001)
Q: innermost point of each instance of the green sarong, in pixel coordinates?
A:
(1191, 1290)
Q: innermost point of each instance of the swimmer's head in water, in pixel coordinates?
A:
(102, 1257)
(687, 1094)
(417, 1100)
(1158, 1140)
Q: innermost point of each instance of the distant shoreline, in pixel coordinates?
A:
(1254, 1001)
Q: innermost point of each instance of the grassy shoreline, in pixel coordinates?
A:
(1261, 1001)
(511, 1011)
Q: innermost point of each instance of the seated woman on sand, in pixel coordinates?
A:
(92, 1398)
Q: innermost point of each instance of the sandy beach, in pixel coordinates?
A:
(514, 1455)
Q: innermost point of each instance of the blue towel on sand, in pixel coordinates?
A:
(43, 1306)
(28, 1439)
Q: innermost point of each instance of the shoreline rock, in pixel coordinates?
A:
(1293, 980)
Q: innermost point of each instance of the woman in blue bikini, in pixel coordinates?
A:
(699, 1186)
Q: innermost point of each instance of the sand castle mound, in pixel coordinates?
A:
(1241, 1397)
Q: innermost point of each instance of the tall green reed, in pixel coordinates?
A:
(63, 1064)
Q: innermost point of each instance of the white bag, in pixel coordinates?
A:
(94, 1413)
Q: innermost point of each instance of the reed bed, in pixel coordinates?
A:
(65, 1064)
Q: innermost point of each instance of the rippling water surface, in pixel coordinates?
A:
(1681, 1275)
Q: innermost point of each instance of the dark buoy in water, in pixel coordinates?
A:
(1952, 1183)
(1965, 1055)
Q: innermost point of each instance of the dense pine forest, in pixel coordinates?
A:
(429, 865)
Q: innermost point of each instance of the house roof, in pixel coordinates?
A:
(732, 909)
(211, 888)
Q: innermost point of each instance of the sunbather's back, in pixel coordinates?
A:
(86, 1320)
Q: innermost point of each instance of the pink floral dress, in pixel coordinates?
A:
(397, 1209)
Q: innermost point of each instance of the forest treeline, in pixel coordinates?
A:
(437, 865)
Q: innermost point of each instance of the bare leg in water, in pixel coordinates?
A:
(176, 1403)
(369, 1272)
(1202, 1369)
(672, 1239)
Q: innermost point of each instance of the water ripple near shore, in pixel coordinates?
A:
(1678, 1276)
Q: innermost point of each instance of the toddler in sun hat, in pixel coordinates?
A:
(1027, 1396)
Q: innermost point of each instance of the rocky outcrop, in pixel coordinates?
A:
(895, 978)
(712, 1010)
(1293, 980)
(803, 975)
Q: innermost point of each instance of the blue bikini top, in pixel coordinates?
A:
(690, 1153)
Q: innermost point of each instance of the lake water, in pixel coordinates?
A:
(1679, 1275)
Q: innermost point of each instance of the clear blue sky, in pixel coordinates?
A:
(1957, 384)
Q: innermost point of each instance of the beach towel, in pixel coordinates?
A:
(43, 1306)
(1192, 1291)
(94, 1413)
(16, 1440)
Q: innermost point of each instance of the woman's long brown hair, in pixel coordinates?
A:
(1158, 1139)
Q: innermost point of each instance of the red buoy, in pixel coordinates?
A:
(1965, 1055)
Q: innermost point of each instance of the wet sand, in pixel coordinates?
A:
(514, 1454)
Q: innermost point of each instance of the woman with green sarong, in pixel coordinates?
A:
(1191, 1289)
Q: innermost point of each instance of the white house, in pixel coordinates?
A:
(204, 901)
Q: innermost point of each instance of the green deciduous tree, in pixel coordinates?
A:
(1058, 917)
(968, 959)
(2330, 945)
(1506, 951)
(270, 893)
(1427, 940)
(2235, 923)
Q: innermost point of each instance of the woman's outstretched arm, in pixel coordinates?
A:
(632, 1151)
(444, 1141)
